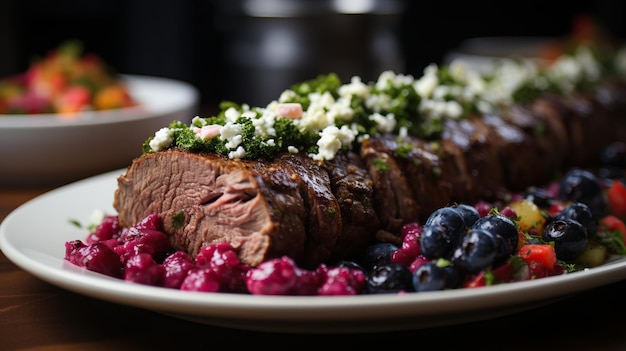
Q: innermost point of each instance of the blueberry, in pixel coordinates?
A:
(581, 213)
(469, 214)
(569, 236)
(436, 242)
(430, 277)
(448, 218)
(441, 232)
(504, 249)
(376, 254)
(502, 226)
(477, 251)
(540, 197)
(389, 278)
(580, 185)
(455, 277)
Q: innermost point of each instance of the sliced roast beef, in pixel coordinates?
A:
(354, 190)
(509, 139)
(434, 176)
(395, 202)
(475, 142)
(584, 121)
(291, 205)
(544, 121)
(203, 199)
(522, 151)
(323, 219)
(599, 126)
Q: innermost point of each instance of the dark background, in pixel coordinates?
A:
(230, 54)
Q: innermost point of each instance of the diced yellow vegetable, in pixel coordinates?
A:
(593, 256)
(529, 215)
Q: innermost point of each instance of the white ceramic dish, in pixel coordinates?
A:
(483, 52)
(33, 237)
(44, 149)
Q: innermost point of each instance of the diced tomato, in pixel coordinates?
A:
(57, 82)
(503, 273)
(616, 196)
(537, 269)
(611, 224)
(542, 253)
(476, 281)
(558, 269)
(29, 103)
(73, 100)
(556, 207)
(114, 96)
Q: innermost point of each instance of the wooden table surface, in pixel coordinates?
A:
(35, 315)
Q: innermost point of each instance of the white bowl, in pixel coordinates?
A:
(483, 53)
(44, 149)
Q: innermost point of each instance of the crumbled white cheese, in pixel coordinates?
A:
(340, 111)
(472, 79)
(264, 125)
(566, 72)
(509, 75)
(231, 114)
(356, 88)
(429, 81)
(331, 140)
(231, 132)
(287, 95)
(389, 79)
(237, 154)
(162, 139)
(315, 117)
(378, 102)
(588, 64)
(439, 109)
(403, 132)
(198, 121)
(385, 124)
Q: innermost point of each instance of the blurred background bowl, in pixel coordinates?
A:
(483, 52)
(45, 149)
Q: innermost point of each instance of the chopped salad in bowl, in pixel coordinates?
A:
(65, 81)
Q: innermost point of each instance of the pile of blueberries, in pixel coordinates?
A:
(470, 241)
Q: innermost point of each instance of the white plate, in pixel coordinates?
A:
(483, 53)
(33, 237)
(44, 149)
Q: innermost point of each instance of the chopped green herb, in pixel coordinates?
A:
(178, 220)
